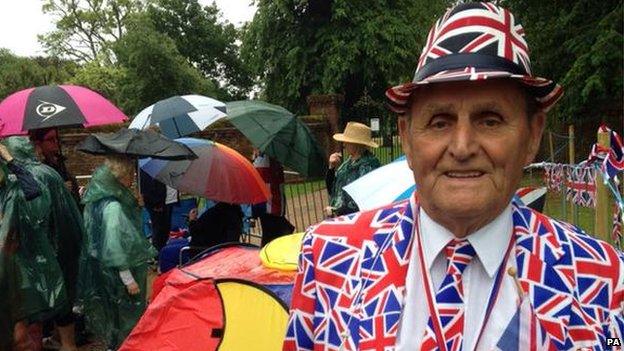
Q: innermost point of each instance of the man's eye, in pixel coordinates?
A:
(492, 121)
(439, 123)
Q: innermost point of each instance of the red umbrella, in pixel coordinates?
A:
(55, 106)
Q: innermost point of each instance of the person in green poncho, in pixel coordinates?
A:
(56, 214)
(31, 282)
(356, 139)
(113, 264)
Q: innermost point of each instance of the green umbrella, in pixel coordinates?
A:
(280, 134)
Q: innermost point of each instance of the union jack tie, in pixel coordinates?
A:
(450, 299)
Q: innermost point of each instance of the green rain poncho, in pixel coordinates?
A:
(114, 242)
(31, 282)
(54, 212)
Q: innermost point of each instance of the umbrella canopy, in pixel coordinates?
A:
(219, 173)
(55, 106)
(392, 182)
(280, 134)
(282, 253)
(178, 116)
(138, 143)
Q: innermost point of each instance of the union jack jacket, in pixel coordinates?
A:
(350, 286)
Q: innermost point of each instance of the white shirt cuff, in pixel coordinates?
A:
(126, 277)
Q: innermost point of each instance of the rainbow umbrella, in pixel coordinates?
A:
(219, 173)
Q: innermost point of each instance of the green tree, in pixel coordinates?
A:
(154, 68)
(86, 29)
(206, 42)
(17, 73)
(105, 79)
(297, 48)
(580, 45)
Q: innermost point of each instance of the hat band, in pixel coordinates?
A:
(463, 60)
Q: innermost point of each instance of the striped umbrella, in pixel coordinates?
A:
(178, 116)
(219, 173)
(54, 106)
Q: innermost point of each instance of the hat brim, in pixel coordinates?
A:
(345, 139)
(545, 91)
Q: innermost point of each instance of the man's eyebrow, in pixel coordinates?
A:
(435, 108)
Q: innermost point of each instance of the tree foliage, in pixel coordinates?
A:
(153, 67)
(580, 45)
(105, 79)
(17, 73)
(206, 42)
(300, 47)
(88, 32)
(86, 29)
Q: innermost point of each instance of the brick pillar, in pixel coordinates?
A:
(329, 106)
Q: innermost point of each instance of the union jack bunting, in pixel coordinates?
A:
(350, 287)
(611, 159)
(554, 176)
(581, 185)
(475, 41)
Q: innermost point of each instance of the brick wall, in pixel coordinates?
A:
(329, 107)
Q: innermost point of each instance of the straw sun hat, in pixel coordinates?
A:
(356, 133)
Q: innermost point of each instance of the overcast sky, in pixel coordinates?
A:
(22, 20)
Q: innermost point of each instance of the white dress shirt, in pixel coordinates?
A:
(490, 244)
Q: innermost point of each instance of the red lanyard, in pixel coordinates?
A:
(431, 304)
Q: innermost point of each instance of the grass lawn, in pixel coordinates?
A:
(298, 189)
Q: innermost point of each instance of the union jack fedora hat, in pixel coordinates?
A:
(471, 42)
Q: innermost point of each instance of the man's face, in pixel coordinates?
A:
(49, 145)
(467, 144)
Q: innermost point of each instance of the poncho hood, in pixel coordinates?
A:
(104, 184)
(21, 148)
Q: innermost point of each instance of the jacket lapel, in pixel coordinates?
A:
(384, 269)
(546, 274)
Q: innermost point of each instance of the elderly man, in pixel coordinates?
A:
(460, 266)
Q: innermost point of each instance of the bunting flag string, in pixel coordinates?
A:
(581, 186)
(578, 182)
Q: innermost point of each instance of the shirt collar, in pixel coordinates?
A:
(490, 242)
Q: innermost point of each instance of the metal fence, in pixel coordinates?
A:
(305, 201)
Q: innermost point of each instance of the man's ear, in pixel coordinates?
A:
(404, 134)
(537, 123)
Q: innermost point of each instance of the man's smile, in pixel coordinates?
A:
(463, 174)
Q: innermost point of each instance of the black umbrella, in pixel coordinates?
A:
(139, 143)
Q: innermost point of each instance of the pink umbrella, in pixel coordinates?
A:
(54, 106)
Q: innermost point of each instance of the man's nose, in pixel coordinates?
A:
(463, 144)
